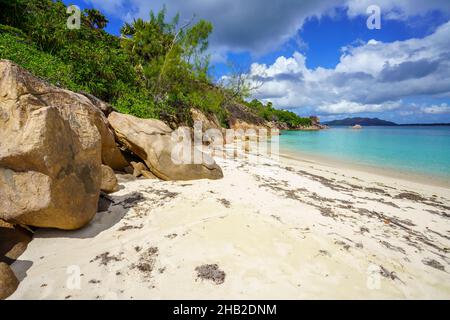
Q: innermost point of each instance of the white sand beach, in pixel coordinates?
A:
(285, 229)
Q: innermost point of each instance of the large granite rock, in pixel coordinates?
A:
(109, 180)
(208, 121)
(51, 150)
(242, 118)
(8, 281)
(111, 155)
(153, 142)
(138, 167)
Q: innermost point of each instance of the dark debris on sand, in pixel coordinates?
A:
(375, 190)
(434, 264)
(162, 194)
(389, 274)
(225, 202)
(146, 262)
(211, 272)
(105, 258)
(129, 227)
(410, 196)
(131, 200)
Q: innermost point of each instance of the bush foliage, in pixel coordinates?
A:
(269, 113)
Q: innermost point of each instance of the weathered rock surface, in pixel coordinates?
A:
(141, 170)
(111, 155)
(152, 141)
(242, 118)
(148, 174)
(52, 146)
(103, 106)
(109, 181)
(208, 121)
(138, 167)
(8, 281)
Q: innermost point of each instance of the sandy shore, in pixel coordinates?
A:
(379, 172)
(277, 229)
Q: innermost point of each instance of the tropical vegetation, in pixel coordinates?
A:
(155, 69)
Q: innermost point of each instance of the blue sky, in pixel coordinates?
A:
(319, 57)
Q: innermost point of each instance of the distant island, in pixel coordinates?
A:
(375, 122)
(360, 121)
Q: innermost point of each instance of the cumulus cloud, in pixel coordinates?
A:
(370, 77)
(437, 109)
(344, 106)
(408, 70)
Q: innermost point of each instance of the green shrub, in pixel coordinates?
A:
(270, 114)
(136, 103)
(209, 101)
(41, 64)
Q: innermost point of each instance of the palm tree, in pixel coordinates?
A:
(95, 19)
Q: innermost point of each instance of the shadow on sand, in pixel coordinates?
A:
(111, 211)
(13, 242)
(20, 268)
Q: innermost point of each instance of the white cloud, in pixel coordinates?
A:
(371, 77)
(437, 109)
(343, 107)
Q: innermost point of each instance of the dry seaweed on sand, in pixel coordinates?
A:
(389, 274)
(226, 203)
(211, 272)
(434, 264)
(146, 262)
(105, 258)
(410, 196)
(130, 227)
(131, 200)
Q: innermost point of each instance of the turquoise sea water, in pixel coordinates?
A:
(424, 150)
